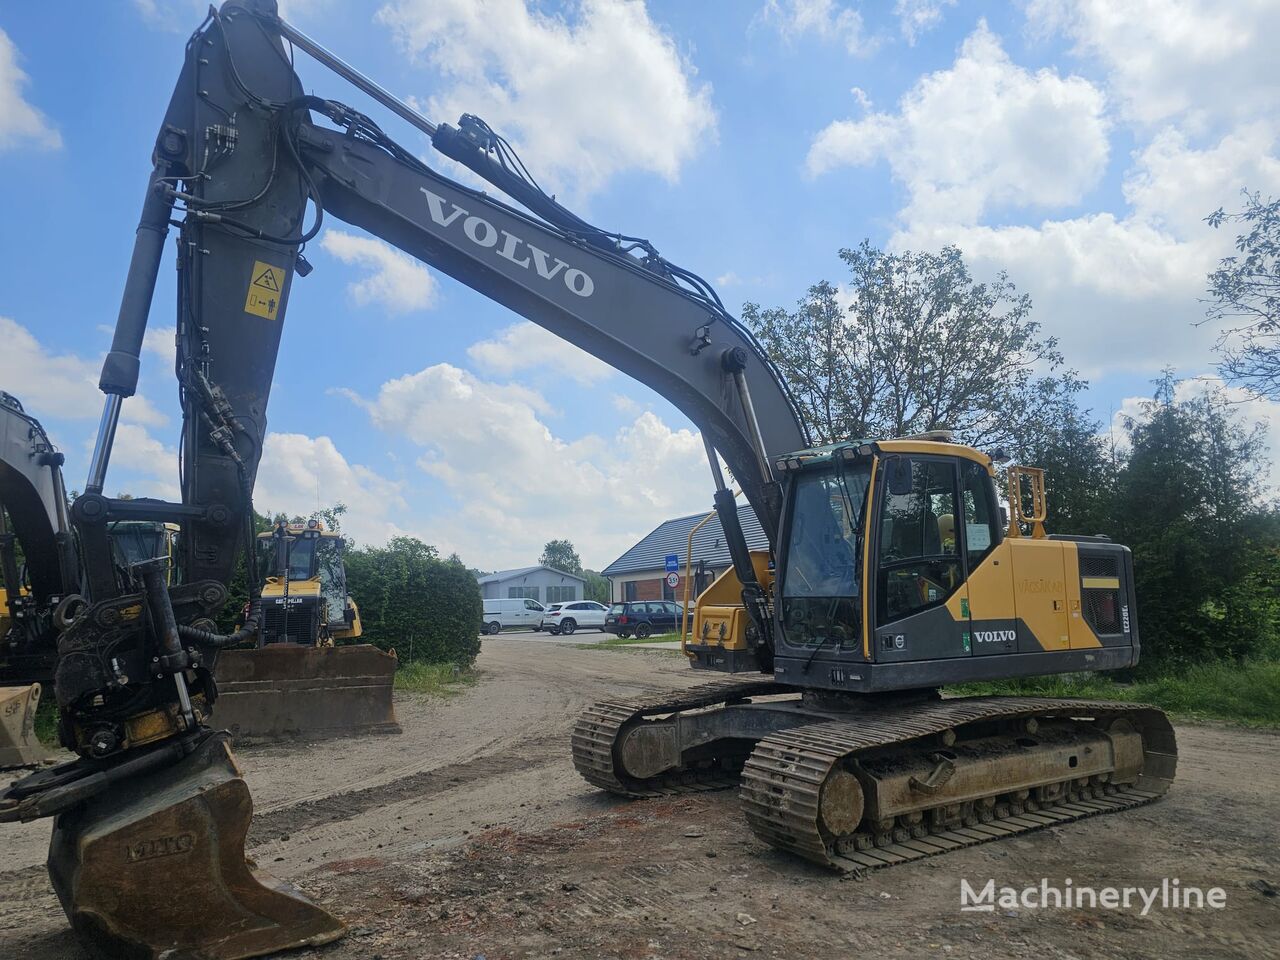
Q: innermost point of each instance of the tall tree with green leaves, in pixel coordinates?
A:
(561, 555)
(1188, 503)
(914, 343)
(1244, 297)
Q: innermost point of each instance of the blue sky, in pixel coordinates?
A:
(1079, 145)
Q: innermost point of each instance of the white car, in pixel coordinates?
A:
(511, 612)
(567, 617)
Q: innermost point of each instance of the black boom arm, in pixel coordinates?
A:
(244, 156)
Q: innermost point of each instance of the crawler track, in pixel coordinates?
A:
(599, 727)
(782, 781)
(783, 777)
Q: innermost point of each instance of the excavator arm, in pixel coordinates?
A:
(254, 166)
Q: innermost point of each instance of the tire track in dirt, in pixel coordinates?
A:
(347, 805)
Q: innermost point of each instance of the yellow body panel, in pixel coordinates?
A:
(990, 588)
(1040, 588)
(719, 619)
(274, 587)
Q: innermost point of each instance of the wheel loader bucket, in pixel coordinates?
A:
(313, 693)
(19, 746)
(155, 868)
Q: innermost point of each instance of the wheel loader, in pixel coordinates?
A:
(888, 574)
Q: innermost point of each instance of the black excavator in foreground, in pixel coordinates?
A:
(889, 573)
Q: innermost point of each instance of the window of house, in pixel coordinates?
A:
(562, 594)
(919, 555)
(516, 593)
(629, 590)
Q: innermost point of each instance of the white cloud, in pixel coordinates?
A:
(583, 97)
(985, 133)
(59, 385)
(625, 405)
(161, 341)
(525, 346)
(20, 123)
(1123, 291)
(917, 17)
(152, 463)
(822, 18)
(298, 474)
(1203, 63)
(397, 281)
(518, 485)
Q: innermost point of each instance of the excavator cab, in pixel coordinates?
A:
(896, 571)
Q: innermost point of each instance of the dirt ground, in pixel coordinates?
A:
(471, 836)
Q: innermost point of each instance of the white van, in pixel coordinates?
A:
(512, 612)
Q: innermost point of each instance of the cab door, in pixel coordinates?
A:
(920, 588)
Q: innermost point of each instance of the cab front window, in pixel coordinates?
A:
(822, 583)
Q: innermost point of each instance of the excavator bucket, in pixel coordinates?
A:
(18, 744)
(313, 693)
(155, 867)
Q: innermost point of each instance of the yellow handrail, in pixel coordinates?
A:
(1039, 509)
(688, 577)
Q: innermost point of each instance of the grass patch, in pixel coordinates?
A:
(615, 641)
(47, 722)
(1247, 694)
(433, 679)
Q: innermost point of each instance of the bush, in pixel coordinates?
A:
(426, 608)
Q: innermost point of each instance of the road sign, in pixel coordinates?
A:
(673, 563)
(673, 580)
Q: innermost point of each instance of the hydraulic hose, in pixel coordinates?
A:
(210, 639)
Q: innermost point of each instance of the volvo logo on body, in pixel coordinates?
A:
(507, 245)
(995, 636)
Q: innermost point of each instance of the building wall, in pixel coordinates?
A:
(537, 583)
(651, 585)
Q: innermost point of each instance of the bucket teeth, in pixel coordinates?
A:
(19, 746)
(156, 868)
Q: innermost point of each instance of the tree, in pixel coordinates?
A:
(1187, 502)
(1245, 298)
(561, 555)
(1080, 469)
(915, 345)
(597, 587)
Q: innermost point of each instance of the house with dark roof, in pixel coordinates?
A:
(544, 584)
(640, 573)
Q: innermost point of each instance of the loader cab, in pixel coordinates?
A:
(305, 594)
(895, 571)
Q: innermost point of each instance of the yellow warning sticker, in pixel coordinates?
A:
(263, 299)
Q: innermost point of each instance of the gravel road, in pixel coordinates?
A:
(470, 834)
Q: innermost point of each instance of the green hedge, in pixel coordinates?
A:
(428, 609)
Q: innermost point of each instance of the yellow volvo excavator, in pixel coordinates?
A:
(888, 574)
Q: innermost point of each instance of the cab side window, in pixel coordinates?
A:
(981, 518)
(919, 558)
